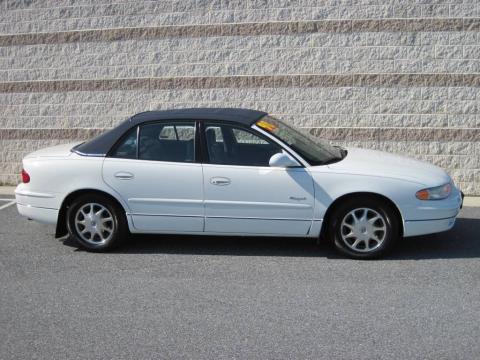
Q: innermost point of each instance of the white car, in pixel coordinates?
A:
(232, 172)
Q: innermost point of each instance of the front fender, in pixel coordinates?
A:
(330, 186)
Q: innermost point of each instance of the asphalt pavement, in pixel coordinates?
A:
(186, 297)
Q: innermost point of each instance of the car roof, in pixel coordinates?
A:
(243, 116)
(100, 145)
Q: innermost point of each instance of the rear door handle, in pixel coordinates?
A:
(123, 175)
(220, 181)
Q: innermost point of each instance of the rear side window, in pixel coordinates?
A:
(177, 132)
(167, 142)
(127, 147)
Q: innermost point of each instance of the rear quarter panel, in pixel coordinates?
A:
(53, 179)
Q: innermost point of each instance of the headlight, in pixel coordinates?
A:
(435, 193)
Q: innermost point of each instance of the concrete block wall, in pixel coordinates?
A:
(401, 76)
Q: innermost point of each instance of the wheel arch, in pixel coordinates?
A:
(366, 194)
(61, 228)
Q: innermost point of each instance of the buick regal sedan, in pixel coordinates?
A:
(232, 172)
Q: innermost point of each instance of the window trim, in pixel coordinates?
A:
(200, 146)
(201, 153)
(138, 140)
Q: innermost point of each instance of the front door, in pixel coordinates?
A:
(159, 179)
(244, 195)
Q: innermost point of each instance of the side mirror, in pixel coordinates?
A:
(283, 160)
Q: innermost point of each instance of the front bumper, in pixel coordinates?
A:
(434, 216)
(423, 227)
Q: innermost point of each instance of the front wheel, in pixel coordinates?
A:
(364, 228)
(96, 223)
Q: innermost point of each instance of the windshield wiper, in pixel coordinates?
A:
(334, 159)
(343, 152)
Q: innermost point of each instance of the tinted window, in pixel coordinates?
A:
(127, 147)
(177, 132)
(244, 137)
(229, 145)
(167, 142)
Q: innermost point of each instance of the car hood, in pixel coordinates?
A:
(382, 164)
(63, 150)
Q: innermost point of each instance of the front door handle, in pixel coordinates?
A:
(220, 181)
(123, 175)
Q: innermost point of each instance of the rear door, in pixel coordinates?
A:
(243, 194)
(160, 178)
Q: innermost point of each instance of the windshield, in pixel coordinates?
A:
(315, 151)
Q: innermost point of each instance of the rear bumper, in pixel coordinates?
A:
(36, 206)
(25, 196)
(43, 215)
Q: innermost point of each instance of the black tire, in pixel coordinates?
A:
(390, 223)
(118, 223)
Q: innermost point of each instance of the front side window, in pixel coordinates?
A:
(244, 137)
(167, 142)
(314, 151)
(228, 145)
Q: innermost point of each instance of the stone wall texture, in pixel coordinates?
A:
(395, 75)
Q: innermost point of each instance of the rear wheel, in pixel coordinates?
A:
(364, 227)
(96, 222)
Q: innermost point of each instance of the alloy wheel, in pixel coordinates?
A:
(363, 229)
(94, 223)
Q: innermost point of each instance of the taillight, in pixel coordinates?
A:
(25, 177)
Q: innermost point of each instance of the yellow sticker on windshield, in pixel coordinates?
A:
(266, 125)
